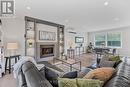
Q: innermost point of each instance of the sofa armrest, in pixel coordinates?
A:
(33, 76)
(21, 82)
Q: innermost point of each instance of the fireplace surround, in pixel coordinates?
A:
(46, 51)
(32, 28)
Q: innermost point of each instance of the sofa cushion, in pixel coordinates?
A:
(64, 82)
(102, 74)
(105, 63)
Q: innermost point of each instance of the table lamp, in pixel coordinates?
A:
(12, 47)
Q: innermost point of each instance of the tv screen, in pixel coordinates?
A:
(79, 39)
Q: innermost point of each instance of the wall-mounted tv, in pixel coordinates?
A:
(79, 39)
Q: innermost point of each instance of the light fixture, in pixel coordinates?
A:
(12, 46)
(30, 42)
(106, 3)
(29, 8)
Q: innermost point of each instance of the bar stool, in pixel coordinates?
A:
(17, 57)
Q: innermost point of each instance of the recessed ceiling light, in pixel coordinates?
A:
(106, 3)
(28, 7)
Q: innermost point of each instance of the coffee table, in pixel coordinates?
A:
(69, 62)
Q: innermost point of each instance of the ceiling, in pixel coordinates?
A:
(81, 15)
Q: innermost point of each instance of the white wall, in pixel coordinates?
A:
(13, 31)
(70, 38)
(125, 50)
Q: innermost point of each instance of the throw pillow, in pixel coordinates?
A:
(117, 63)
(52, 75)
(64, 82)
(83, 72)
(115, 58)
(102, 74)
(89, 83)
(70, 75)
(105, 63)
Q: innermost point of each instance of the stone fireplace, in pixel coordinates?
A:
(46, 51)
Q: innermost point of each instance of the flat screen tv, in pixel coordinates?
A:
(79, 39)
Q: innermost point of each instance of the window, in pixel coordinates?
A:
(99, 39)
(114, 40)
(108, 40)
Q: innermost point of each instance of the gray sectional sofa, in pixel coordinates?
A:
(30, 76)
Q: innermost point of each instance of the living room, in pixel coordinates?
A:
(69, 37)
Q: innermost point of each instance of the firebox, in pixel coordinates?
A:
(46, 51)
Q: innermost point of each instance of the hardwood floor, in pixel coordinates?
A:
(8, 80)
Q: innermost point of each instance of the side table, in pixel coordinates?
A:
(17, 57)
(0, 70)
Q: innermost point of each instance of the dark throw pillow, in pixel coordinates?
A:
(52, 75)
(71, 75)
(83, 72)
